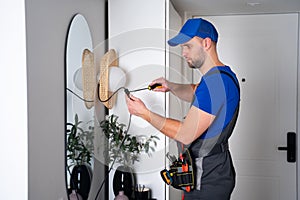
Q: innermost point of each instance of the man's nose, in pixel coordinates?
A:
(184, 54)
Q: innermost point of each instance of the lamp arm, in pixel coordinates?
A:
(111, 95)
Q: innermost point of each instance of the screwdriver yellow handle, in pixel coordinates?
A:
(156, 85)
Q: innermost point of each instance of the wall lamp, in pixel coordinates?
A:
(103, 85)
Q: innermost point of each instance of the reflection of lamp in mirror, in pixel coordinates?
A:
(110, 78)
(77, 79)
(88, 77)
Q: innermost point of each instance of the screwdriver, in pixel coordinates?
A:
(156, 85)
(150, 87)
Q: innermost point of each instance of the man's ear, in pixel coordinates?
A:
(206, 43)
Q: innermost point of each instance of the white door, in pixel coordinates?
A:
(262, 50)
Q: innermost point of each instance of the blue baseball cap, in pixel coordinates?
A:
(195, 27)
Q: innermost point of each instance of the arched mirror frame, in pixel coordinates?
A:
(78, 118)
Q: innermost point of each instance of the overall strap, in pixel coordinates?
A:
(226, 73)
(222, 146)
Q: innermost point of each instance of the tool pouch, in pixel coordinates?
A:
(181, 174)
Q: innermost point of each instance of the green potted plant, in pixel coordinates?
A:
(132, 147)
(124, 148)
(79, 148)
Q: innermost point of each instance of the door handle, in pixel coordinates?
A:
(290, 148)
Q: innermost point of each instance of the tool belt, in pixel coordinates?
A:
(181, 174)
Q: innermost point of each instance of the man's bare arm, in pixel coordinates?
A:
(195, 124)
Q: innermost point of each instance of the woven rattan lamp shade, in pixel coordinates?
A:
(88, 78)
(109, 59)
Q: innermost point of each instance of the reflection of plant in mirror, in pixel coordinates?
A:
(132, 146)
(79, 142)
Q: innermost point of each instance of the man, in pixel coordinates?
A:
(212, 115)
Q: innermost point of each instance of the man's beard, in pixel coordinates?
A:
(197, 65)
(199, 61)
(192, 66)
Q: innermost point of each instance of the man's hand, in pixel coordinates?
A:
(164, 85)
(136, 106)
(183, 91)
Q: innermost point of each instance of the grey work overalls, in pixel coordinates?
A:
(213, 168)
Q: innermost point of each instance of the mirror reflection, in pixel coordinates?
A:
(79, 109)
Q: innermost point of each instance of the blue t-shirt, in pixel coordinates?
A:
(217, 94)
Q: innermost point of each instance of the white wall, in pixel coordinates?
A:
(13, 106)
(137, 32)
(47, 23)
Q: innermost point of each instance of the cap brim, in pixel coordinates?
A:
(179, 39)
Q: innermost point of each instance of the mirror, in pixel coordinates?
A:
(79, 113)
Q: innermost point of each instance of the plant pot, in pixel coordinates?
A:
(81, 178)
(124, 180)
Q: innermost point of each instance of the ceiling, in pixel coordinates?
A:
(225, 7)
